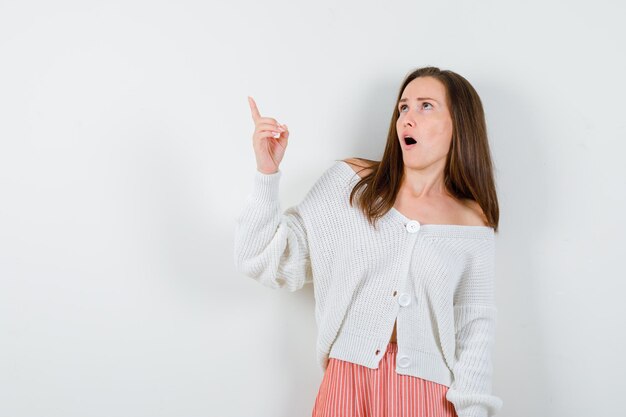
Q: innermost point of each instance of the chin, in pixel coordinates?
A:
(413, 163)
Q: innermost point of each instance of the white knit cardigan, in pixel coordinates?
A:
(436, 280)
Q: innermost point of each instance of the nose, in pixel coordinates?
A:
(408, 122)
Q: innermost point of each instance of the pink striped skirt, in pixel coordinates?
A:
(351, 390)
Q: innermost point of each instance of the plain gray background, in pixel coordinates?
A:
(126, 155)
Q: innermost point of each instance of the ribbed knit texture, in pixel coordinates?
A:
(436, 280)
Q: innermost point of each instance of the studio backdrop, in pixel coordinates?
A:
(126, 155)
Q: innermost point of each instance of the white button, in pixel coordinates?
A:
(404, 361)
(404, 299)
(413, 226)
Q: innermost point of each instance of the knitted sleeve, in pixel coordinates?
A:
(475, 321)
(271, 246)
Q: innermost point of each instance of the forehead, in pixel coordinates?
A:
(425, 87)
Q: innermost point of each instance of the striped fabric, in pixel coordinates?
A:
(351, 390)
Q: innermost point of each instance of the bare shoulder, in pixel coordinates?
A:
(361, 167)
(474, 215)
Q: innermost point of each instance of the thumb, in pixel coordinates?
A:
(286, 132)
(283, 138)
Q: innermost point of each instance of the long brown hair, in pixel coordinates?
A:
(468, 173)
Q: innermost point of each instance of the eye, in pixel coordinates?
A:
(402, 106)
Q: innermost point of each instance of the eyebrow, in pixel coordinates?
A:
(419, 99)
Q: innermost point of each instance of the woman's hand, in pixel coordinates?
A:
(269, 140)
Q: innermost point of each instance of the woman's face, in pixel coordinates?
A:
(424, 116)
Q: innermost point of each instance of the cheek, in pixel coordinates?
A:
(442, 126)
(442, 129)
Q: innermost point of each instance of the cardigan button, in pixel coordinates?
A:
(404, 299)
(404, 361)
(413, 226)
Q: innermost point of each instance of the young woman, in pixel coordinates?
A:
(400, 253)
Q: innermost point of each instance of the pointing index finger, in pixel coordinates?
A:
(253, 108)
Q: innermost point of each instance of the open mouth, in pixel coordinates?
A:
(409, 140)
